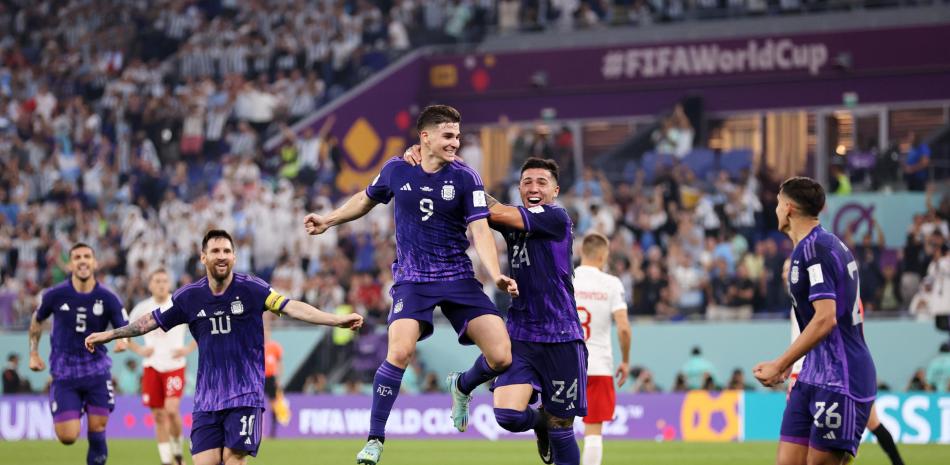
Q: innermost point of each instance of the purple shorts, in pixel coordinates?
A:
(68, 398)
(557, 371)
(236, 428)
(461, 301)
(824, 420)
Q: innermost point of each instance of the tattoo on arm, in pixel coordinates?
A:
(36, 329)
(137, 328)
(491, 200)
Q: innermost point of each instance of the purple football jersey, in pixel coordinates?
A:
(824, 268)
(433, 211)
(75, 316)
(540, 259)
(229, 329)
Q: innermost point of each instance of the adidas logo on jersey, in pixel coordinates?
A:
(248, 440)
(830, 435)
(406, 187)
(64, 308)
(202, 313)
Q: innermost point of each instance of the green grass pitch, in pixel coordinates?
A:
(406, 452)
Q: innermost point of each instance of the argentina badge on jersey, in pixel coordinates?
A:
(97, 308)
(448, 192)
(794, 274)
(237, 307)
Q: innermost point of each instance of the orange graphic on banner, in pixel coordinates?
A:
(700, 409)
(361, 145)
(443, 76)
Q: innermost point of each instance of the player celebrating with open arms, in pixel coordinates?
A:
(224, 311)
(82, 381)
(829, 405)
(435, 202)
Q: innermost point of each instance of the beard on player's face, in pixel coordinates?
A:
(220, 268)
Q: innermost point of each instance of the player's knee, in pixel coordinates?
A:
(515, 421)
(499, 361)
(67, 440)
(560, 423)
(400, 356)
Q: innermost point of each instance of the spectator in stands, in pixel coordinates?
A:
(916, 163)
(737, 381)
(918, 382)
(675, 135)
(316, 384)
(697, 369)
(13, 383)
(938, 370)
(643, 380)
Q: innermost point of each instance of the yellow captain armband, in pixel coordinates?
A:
(275, 302)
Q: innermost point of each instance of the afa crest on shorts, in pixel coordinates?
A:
(397, 307)
(448, 192)
(237, 307)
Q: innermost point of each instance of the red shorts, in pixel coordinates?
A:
(601, 399)
(159, 385)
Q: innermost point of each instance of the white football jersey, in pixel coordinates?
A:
(797, 366)
(163, 343)
(598, 296)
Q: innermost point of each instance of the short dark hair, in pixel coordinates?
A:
(806, 193)
(434, 115)
(213, 234)
(81, 245)
(543, 163)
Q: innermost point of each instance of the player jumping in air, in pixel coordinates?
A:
(224, 311)
(829, 405)
(82, 381)
(434, 204)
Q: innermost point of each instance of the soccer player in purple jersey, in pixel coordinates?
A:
(82, 381)
(549, 357)
(828, 406)
(434, 204)
(224, 311)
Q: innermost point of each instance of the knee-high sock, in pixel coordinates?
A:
(385, 389)
(98, 450)
(517, 421)
(564, 446)
(165, 452)
(593, 449)
(886, 441)
(479, 373)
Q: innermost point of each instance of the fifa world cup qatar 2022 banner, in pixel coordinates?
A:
(692, 416)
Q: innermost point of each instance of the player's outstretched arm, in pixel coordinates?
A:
(144, 324)
(776, 371)
(305, 312)
(357, 206)
(36, 330)
(504, 214)
(485, 247)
